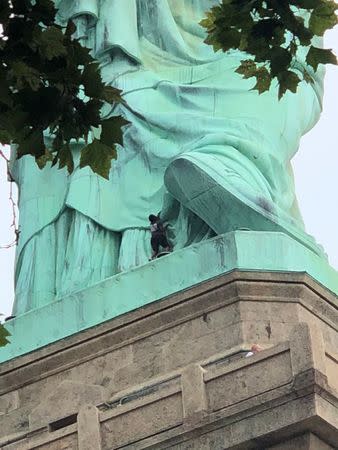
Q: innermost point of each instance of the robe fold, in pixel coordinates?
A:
(183, 99)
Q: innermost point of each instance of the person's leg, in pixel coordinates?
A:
(163, 241)
(155, 245)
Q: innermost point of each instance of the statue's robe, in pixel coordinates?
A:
(183, 100)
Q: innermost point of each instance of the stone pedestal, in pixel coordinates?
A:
(174, 374)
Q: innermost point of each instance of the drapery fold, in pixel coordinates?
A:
(69, 9)
(169, 25)
(179, 93)
(183, 99)
(115, 23)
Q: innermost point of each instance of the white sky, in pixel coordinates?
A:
(316, 174)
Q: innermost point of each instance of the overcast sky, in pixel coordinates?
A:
(316, 174)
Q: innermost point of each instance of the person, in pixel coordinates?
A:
(158, 236)
(255, 348)
(203, 147)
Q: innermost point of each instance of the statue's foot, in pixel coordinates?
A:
(223, 206)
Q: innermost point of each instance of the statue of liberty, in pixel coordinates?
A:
(209, 153)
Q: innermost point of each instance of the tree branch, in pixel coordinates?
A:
(13, 207)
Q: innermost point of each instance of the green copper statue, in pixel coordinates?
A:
(202, 148)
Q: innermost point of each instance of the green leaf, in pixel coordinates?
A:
(70, 29)
(43, 11)
(260, 48)
(318, 56)
(20, 6)
(288, 80)
(212, 39)
(98, 157)
(264, 79)
(13, 121)
(43, 159)
(209, 21)
(79, 55)
(4, 334)
(323, 17)
(293, 48)
(5, 137)
(112, 95)
(307, 77)
(50, 82)
(65, 158)
(265, 28)
(280, 60)
(112, 130)
(50, 43)
(92, 81)
(30, 142)
(247, 68)
(22, 75)
(229, 38)
(89, 113)
(5, 93)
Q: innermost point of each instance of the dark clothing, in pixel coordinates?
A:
(157, 240)
(158, 236)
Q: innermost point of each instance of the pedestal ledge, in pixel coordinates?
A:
(128, 291)
(279, 399)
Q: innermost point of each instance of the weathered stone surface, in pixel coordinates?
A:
(235, 385)
(60, 441)
(89, 436)
(331, 364)
(65, 443)
(9, 402)
(308, 441)
(308, 349)
(66, 400)
(174, 375)
(138, 423)
(194, 396)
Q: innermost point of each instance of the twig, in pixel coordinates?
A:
(13, 207)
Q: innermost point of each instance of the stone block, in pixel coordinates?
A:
(130, 426)
(14, 422)
(316, 318)
(9, 402)
(68, 442)
(239, 382)
(65, 401)
(308, 441)
(266, 332)
(198, 348)
(89, 435)
(307, 349)
(331, 364)
(193, 392)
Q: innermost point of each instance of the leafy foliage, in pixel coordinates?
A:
(272, 32)
(4, 334)
(49, 83)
